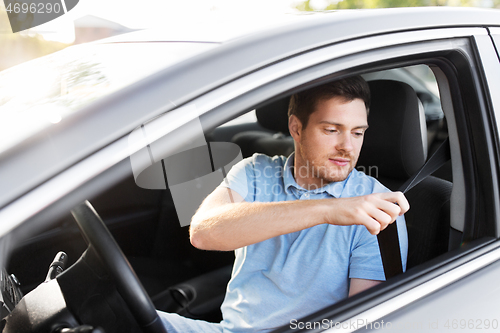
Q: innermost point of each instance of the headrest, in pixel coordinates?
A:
(274, 116)
(394, 143)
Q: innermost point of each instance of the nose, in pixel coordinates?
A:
(345, 142)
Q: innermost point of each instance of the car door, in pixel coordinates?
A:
(452, 55)
(463, 295)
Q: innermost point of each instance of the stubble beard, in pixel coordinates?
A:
(322, 170)
(330, 173)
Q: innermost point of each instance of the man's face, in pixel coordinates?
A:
(328, 148)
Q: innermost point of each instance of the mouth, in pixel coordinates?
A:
(340, 161)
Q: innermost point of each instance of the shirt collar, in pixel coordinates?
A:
(335, 189)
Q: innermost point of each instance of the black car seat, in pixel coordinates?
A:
(394, 149)
(272, 116)
(396, 146)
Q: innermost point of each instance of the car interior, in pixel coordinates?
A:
(407, 125)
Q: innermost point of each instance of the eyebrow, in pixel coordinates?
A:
(341, 125)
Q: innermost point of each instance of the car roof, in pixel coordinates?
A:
(236, 52)
(338, 24)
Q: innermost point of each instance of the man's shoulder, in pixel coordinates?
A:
(261, 161)
(370, 184)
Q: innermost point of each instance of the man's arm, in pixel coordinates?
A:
(226, 222)
(359, 285)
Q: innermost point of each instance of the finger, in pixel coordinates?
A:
(402, 203)
(382, 218)
(398, 198)
(390, 209)
(371, 225)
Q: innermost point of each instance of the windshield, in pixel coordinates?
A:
(44, 91)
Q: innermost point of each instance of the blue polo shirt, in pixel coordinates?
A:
(293, 275)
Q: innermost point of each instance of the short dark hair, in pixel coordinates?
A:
(303, 104)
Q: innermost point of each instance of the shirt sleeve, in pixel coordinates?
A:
(366, 262)
(241, 179)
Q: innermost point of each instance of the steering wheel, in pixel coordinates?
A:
(127, 283)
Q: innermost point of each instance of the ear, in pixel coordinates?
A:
(295, 127)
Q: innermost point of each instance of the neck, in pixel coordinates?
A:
(304, 174)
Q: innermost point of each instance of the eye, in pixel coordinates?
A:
(358, 134)
(331, 130)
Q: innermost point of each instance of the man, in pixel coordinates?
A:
(303, 228)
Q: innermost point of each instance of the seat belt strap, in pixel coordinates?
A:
(388, 240)
(437, 160)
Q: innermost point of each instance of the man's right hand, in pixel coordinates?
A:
(375, 211)
(226, 222)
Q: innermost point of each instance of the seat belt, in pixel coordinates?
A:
(388, 240)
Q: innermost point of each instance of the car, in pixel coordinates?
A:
(136, 130)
